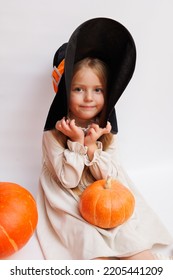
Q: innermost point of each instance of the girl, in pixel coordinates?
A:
(80, 146)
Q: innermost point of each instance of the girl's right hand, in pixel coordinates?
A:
(68, 128)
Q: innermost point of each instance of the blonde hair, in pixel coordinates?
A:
(102, 71)
(97, 65)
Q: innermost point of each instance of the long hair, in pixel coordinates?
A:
(102, 71)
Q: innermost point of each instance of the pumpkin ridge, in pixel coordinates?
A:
(110, 215)
(95, 208)
(126, 213)
(122, 208)
(30, 223)
(11, 241)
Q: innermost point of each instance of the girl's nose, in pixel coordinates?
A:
(88, 95)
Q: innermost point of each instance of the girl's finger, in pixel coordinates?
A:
(95, 126)
(64, 124)
(92, 133)
(73, 125)
(72, 122)
(58, 125)
(106, 130)
(108, 127)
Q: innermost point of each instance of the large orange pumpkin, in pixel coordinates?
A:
(18, 217)
(106, 203)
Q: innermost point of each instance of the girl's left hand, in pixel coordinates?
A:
(95, 132)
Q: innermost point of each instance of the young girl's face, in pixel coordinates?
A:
(87, 95)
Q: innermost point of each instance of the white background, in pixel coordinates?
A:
(30, 33)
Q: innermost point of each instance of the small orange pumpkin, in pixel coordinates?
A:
(18, 217)
(106, 203)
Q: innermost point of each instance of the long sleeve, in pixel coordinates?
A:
(67, 164)
(104, 163)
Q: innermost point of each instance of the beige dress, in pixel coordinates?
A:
(62, 232)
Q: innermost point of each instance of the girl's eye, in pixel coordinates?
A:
(78, 89)
(99, 90)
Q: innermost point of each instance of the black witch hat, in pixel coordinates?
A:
(107, 40)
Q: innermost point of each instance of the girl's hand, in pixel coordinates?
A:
(95, 132)
(68, 128)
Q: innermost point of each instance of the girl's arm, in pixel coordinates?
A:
(101, 163)
(67, 164)
(104, 163)
(94, 133)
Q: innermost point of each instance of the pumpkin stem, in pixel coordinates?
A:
(108, 182)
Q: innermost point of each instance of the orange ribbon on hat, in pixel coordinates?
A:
(57, 74)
